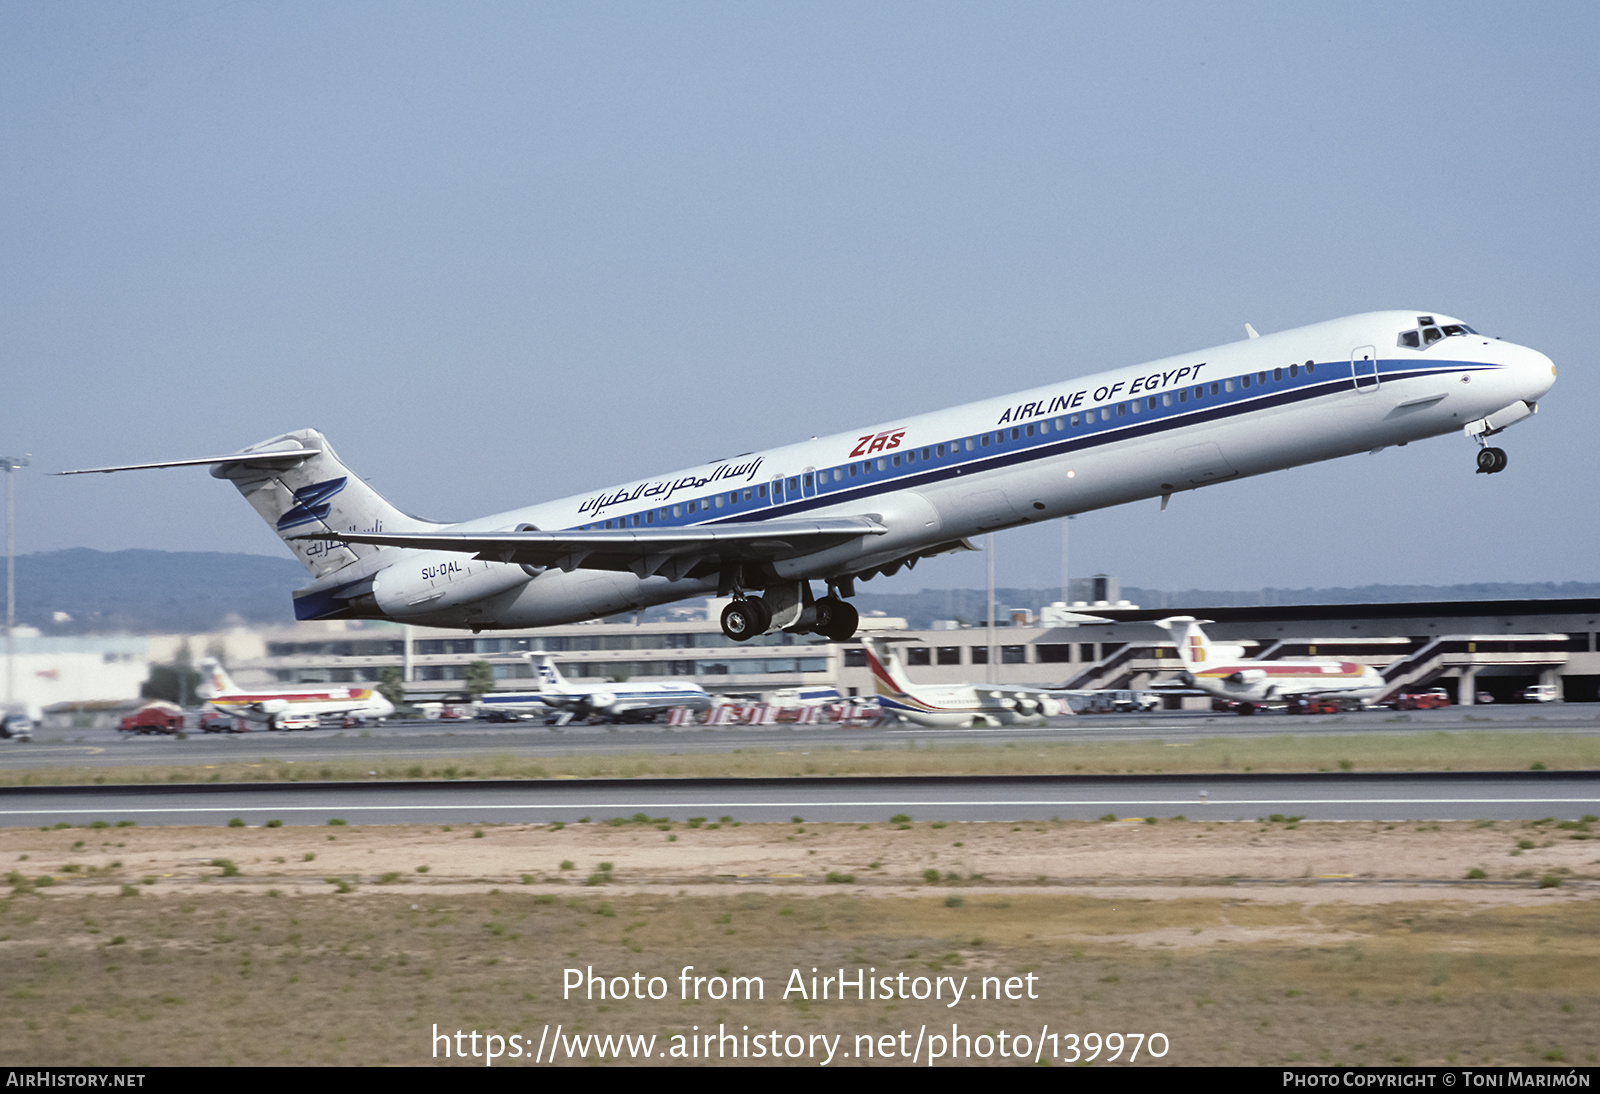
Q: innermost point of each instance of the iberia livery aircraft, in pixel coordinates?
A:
(274, 705)
(963, 705)
(1219, 671)
(761, 527)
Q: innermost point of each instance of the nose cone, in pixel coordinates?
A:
(1537, 372)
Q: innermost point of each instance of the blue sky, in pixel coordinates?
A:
(504, 253)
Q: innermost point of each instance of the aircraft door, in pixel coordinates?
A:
(776, 486)
(808, 482)
(1364, 368)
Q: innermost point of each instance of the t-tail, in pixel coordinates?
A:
(311, 493)
(299, 486)
(1194, 648)
(550, 678)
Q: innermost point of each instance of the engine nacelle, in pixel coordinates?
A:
(1247, 676)
(1049, 707)
(434, 581)
(273, 706)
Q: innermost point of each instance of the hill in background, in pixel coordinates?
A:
(154, 591)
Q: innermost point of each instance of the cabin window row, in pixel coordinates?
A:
(994, 439)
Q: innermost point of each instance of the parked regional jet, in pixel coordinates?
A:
(1221, 672)
(275, 705)
(617, 700)
(845, 508)
(947, 705)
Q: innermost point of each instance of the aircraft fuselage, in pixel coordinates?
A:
(1247, 408)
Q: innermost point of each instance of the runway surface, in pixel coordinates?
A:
(1338, 797)
(424, 741)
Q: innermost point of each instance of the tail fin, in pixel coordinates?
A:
(1194, 648)
(315, 493)
(888, 676)
(550, 676)
(214, 680)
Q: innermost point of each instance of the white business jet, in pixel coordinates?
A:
(763, 526)
(1222, 672)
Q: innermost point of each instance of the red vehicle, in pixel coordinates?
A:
(1323, 704)
(162, 718)
(1432, 699)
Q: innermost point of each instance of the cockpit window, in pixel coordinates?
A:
(1428, 332)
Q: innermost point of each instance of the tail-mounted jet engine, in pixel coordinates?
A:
(436, 581)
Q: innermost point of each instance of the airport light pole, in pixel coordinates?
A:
(988, 674)
(1066, 585)
(11, 463)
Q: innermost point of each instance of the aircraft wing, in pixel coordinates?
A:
(675, 553)
(1024, 700)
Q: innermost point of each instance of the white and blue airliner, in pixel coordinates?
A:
(764, 528)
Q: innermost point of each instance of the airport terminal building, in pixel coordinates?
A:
(1479, 650)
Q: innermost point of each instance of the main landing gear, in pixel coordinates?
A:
(745, 618)
(836, 619)
(748, 616)
(1491, 461)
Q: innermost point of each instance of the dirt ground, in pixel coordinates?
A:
(1261, 943)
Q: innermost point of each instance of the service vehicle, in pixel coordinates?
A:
(158, 718)
(1432, 699)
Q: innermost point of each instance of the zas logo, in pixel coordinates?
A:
(311, 504)
(881, 442)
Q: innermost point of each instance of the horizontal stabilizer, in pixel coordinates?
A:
(297, 483)
(290, 454)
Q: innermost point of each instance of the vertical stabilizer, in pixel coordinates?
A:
(307, 494)
(214, 680)
(550, 678)
(888, 675)
(1194, 648)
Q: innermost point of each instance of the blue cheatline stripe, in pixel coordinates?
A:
(1025, 450)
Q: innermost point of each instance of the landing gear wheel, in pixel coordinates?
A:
(1244, 708)
(744, 619)
(1491, 461)
(836, 620)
